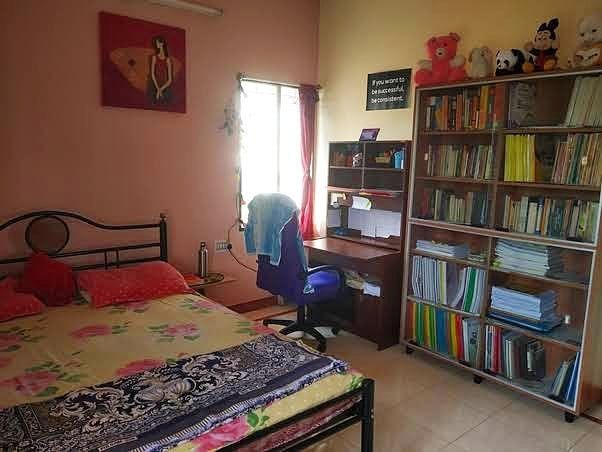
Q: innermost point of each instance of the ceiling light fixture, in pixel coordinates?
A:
(189, 6)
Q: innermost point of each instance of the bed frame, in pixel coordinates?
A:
(362, 398)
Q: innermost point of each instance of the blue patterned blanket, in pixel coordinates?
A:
(159, 408)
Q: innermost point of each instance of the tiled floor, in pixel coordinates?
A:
(424, 405)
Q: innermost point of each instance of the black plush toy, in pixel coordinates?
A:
(509, 62)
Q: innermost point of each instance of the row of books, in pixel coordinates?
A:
(519, 158)
(564, 385)
(444, 332)
(443, 205)
(472, 108)
(533, 311)
(513, 355)
(578, 161)
(558, 218)
(456, 160)
(440, 282)
(585, 105)
(530, 258)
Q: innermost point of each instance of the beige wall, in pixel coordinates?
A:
(358, 37)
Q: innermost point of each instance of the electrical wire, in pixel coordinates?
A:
(232, 253)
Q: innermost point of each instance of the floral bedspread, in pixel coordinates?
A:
(65, 348)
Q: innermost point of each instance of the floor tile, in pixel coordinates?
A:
(495, 436)
(544, 422)
(453, 448)
(447, 416)
(592, 442)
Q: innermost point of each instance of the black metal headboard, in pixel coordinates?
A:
(108, 252)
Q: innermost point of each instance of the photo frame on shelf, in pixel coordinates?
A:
(369, 134)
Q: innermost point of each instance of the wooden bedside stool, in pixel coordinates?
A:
(213, 279)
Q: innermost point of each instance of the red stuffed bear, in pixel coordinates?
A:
(444, 65)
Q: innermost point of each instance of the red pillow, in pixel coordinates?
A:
(13, 304)
(49, 280)
(142, 282)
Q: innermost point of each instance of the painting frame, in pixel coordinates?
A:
(143, 64)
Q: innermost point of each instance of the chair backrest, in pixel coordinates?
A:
(284, 279)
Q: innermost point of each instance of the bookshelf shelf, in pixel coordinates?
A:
(551, 130)
(545, 186)
(458, 132)
(394, 170)
(365, 191)
(459, 180)
(557, 282)
(442, 306)
(356, 168)
(562, 145)
(558, 335)
(466, 262)
(569, 244)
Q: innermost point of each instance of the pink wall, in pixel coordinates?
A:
(59, 149)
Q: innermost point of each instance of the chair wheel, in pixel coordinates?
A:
(477, 379)
(265, 322)
(409, 350)
(569, 417)
(335, 330)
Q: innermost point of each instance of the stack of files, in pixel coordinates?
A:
(564, 385)
(440, 282)
(530, 258)
(513, 355)
(558, 218)
(457, 160)
(585, 105)
(519, 158)
(471, 108)
(444, 332)
(521, 106)
(459, 251)
(442, 205)
(537, 312)
(578, 160)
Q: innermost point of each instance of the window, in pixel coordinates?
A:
(270, 142)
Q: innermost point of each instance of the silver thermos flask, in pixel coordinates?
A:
(203, 260)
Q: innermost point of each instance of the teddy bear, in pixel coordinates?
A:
(543, 48)
(509, 62)
(444, 64)
(481, 62)
(589, 42)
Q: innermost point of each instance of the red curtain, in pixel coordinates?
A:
(308, 97)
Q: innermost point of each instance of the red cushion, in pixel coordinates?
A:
(141, 282)
(13, 304)
(49, 280)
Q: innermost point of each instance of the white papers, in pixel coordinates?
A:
(333, 218)
(362, 203)
(375, 223)
(371, 289)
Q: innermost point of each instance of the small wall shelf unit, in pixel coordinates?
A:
(502, 243)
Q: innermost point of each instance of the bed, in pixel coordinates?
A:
(179, 372)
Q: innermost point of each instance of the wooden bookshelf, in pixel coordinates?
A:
(578, 300)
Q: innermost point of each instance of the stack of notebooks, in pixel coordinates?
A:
(521, 105)
(444, 332)
(564, 385)
(472, 108)
(585, 105)
(530, 258)
(533, 311)
(443, 205)
(513, 355)
(519, 158)
(558, 218)
(440, 282)
(444, 249)
(578, 160)
(457, 160)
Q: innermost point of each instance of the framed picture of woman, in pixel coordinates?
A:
(143, 64)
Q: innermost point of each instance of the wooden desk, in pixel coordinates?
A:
(374, 318)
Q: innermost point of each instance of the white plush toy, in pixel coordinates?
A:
(589, 42)
(481, 62)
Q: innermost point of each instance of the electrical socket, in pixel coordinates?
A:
(221, 246)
